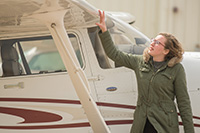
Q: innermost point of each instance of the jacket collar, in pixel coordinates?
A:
(173, 61)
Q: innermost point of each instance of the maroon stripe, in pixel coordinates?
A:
(31, 116)
(116, 105)
(75, 125)
(195, 125)
(86, 124)
(72, 102)
(119, 122)
(64, 101)
(39, 100)
(194, 117)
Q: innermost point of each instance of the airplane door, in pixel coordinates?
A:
(116, 90)
(43, 98)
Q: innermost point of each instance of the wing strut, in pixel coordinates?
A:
(54, 21)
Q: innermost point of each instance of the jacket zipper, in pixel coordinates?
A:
(154, 75)
(151, 80)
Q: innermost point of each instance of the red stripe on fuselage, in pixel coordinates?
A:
(86, 124)
(75, 125)
(64, 102)
(31, 116)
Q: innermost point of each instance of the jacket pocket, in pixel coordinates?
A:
(165, 81)
(168, 76)
(170, 110)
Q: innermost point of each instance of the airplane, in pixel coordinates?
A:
(56, 77)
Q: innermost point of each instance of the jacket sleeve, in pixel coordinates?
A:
(183, 100)
(122, 58)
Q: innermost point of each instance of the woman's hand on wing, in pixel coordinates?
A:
(102, 24)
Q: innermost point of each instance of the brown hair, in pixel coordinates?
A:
(174, 46)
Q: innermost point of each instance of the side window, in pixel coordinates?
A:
(126, 44)
(41, 56)
(125, 37)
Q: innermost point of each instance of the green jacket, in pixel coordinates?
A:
(156, 90)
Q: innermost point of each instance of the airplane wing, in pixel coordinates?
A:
(15, 15)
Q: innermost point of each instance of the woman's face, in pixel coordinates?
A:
(157, 48)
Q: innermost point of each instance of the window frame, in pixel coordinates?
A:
(46, 37)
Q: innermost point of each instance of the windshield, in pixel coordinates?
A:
(126, 37)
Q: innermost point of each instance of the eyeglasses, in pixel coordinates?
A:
(153, 40)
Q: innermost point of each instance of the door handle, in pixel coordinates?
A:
(18, 85)
(96, 78)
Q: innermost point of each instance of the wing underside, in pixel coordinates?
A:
(16, 16)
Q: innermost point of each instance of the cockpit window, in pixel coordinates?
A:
(40, 55)
(127, 38)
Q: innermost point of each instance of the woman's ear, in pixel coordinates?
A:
(166, 51)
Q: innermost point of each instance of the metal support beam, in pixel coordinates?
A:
(54, 21)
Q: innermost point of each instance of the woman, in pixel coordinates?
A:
(161, 80)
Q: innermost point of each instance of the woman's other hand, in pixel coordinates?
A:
(102, 24)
